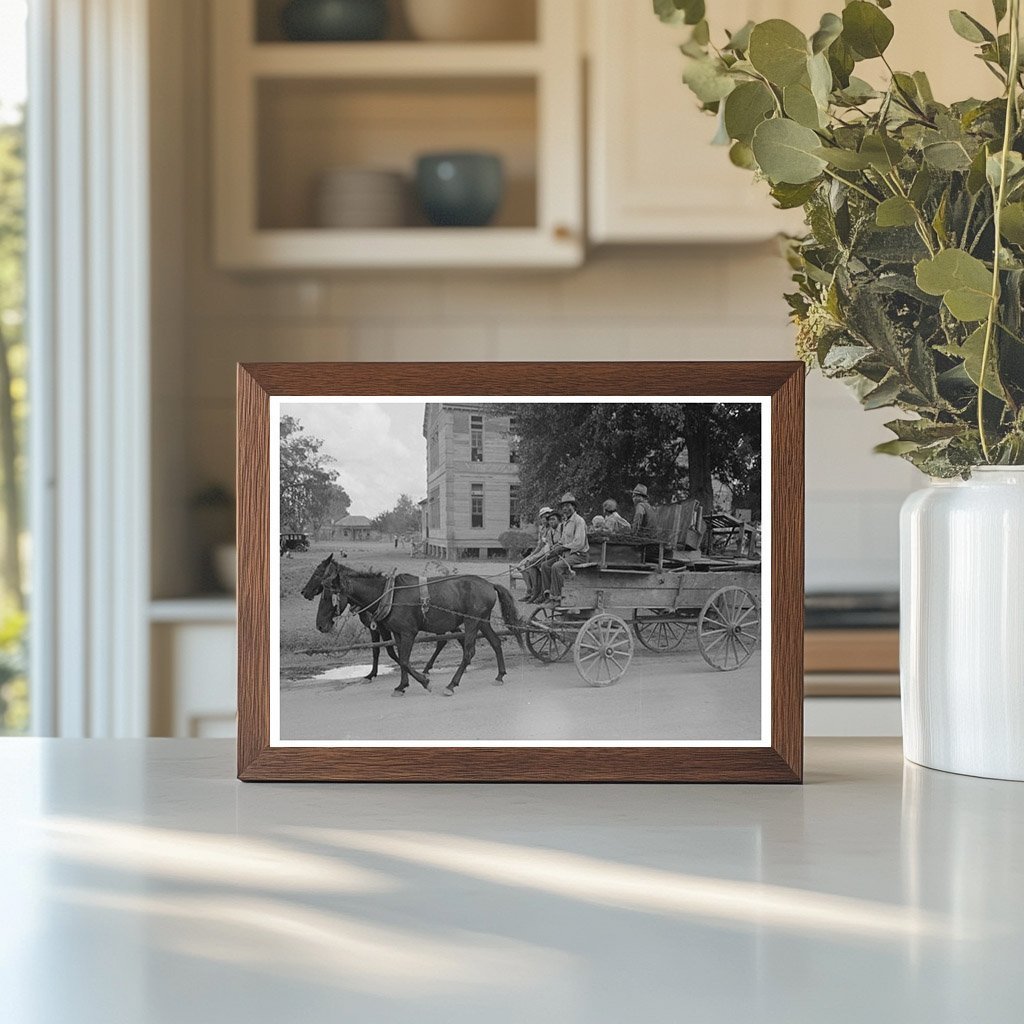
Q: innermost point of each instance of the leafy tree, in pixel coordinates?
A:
(602, 450)
(403, 518)
(13, 398)
(338, 503)
(307, 482)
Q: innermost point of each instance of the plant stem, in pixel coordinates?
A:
(855, 187)
(993, 309)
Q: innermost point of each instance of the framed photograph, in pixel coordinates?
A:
(548, 572)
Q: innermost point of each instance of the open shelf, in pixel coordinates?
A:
(288, 113)
(393, 60)
(308, 127)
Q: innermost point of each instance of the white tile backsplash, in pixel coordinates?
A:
(715, 303)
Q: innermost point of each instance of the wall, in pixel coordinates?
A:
(638, 304)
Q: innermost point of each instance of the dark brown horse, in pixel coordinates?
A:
(332, 606)
(453, 604)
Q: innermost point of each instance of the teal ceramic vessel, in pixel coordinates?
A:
(333, 21)
(461, 190)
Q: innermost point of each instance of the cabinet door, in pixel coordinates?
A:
(654, 175)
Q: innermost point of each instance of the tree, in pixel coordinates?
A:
(306, 480)
(602, 450)
(12, 350)
(338, 503)
(403, 518)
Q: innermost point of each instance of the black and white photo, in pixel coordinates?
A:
(461, 571)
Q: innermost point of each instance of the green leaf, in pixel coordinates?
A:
(742, 155)
(829, 30)
(885, 394)
(895, 447)
(968, 28)
(896, 212)
(785, 152)
(739, 41)
(789, 197)
(963, 281)
(866, 29)
(1014, 169)
(1012, 224)
(778, 50)
(924, 87)
(999, 6)
(971, 352)
(883, 153)
(921, 185)
(701, 33)
(844, 159)
(800, 105)
(841, 60)
(708, 80)
(676, 12)
(976, 174)
(923, 431)
(745, 108)
(947, 156)
(820, 76)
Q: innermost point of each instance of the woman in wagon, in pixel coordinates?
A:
(613, 522)
(529, 566)
(571, 550)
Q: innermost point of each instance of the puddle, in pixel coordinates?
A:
(348, 672)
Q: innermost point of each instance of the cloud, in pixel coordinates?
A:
(378, 448)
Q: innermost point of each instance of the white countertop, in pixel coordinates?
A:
(143, 885)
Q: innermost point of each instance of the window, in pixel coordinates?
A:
(434, 456)
(514, 519)
(476, 439)
(434, 509)
(14, 694)
(513, 439)
(476, 505)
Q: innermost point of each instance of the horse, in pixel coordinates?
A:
(453, 603)
(328, 612)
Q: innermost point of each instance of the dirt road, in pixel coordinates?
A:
(660, 698)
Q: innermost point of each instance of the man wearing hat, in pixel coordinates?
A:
(641, 511)
(572, 548)
(548, 524)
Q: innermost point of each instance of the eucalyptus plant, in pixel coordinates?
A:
(910, 278)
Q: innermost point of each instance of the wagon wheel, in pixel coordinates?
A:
(728, 628)
(544, 638)
(662, 634)
(603, 649)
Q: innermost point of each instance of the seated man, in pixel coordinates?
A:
(547, 527)
(571, 549)
(613, 522)
(641, 512)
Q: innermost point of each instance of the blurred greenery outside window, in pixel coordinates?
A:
(14, 690)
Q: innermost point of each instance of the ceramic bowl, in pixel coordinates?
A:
(460, 189)
(334, 20)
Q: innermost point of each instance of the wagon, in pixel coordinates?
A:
(655, 590)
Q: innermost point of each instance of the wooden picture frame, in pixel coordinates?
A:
(779, 759)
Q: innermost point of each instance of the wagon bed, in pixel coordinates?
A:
(652, 591)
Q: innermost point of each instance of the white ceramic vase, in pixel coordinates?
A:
(962, 624)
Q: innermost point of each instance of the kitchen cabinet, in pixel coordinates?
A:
(653, 175)
(287, 113)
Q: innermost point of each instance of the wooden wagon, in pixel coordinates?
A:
(656, 589)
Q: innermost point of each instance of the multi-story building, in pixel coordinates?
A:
(472, 478)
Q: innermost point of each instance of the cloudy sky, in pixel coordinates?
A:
(378, 448)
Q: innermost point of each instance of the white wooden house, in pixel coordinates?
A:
(472, 478)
